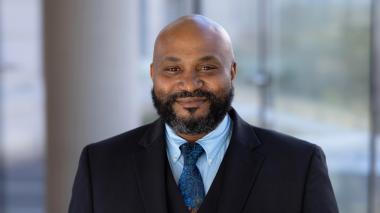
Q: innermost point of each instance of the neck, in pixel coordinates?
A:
(191, 138)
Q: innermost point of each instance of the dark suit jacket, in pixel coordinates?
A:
(264, 172)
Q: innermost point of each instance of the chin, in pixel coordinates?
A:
(189, 113)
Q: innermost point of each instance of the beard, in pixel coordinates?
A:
(218, 108)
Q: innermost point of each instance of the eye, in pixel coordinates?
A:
(207, 67)
(172, 69)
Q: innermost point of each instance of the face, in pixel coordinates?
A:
(192, 82)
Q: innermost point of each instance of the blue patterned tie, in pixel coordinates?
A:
(190, 183)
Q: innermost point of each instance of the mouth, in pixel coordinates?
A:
(191, 102)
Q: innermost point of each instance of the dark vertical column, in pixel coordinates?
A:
(2, 169)
(197, 6)
(374, 102)
(91, 75)
(263, 77)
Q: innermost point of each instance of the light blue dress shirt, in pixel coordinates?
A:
(214, 143)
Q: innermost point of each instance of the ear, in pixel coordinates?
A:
(233, 70)
(151, 71)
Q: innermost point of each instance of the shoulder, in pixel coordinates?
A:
(281, 140)
(270, 141)
(283, 145)
(125, 143)
(288, 156)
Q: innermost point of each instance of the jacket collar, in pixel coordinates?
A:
(238, 171)
(240, 166)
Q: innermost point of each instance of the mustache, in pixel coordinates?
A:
(186, 94)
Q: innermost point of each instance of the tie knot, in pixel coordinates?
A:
(191, 152)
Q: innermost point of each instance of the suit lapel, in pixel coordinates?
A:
(237, 173)
(240, 167)
(240, 173)
(150, 169)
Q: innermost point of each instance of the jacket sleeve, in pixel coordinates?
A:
(81, 198)
(318, 195)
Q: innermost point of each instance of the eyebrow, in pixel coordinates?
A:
(208, 58)
(203, 59)
(171, 58)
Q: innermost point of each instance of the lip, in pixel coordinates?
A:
(191, 102)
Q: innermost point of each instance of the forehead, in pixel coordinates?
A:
(189, 40)
(189, 45)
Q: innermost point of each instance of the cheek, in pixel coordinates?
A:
(220, 85)
(160, 94)
(162, 85)
(159, 87)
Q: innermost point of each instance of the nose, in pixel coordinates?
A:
(190, 82)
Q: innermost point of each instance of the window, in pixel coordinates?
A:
(22, 115)
(308, 64)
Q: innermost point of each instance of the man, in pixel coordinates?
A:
(200, 156)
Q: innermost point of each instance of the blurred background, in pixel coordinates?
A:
(75, 72)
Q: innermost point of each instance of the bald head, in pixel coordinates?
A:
(192, 71)
(197, 29)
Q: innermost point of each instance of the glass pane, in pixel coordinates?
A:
(22, 106)
(318, 57)
(321, 86)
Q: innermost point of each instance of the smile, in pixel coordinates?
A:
(191, 102)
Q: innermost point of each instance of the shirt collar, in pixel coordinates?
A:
(211, 143)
